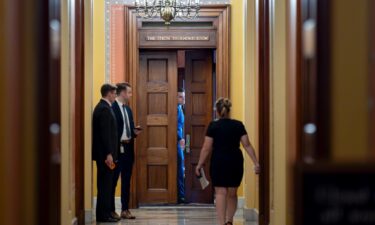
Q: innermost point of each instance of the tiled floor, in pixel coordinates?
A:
(175, 216)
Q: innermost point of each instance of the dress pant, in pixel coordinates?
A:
(125, 168)
(180, 173)
(104, 185)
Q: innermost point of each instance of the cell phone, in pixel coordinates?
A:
(112, 166)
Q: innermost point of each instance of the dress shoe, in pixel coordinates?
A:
(108, 220)
(127, 215)
(182, 201)
(115, 216)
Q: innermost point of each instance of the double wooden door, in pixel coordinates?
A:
(157, 113)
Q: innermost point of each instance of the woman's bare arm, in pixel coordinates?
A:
(250, 150)
(205, 152)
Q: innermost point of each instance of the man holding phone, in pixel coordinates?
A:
(127, 132)
(105, 151)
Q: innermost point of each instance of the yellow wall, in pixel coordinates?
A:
(98, 48)
(278, 131)
(251, 181)
(88, 103)
(350, 46)
(98, 61)
(237, 64)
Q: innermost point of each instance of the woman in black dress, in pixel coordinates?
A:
(223, 139)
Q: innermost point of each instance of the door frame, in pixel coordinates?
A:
(372, 82)
(264, 111)
(220, 16)
(78, 105)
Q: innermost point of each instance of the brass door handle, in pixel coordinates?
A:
(187, 144)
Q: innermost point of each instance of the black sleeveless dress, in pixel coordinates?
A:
(226, 169)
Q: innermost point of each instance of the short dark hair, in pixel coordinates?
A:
(107, 88)
(181, 90)
(122, 87)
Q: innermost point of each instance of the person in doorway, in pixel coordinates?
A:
(226, 169)
(127, 132)
(104, 151)
(180, 146)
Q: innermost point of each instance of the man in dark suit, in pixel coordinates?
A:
(127, 132)
(105, 151)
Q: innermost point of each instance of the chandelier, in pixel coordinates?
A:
(168, 10)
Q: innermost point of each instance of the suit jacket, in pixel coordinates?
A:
(120, 122)
(104, 132)
(180, 123)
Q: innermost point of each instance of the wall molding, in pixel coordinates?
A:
(108, 5)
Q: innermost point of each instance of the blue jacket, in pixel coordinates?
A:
(180, 123)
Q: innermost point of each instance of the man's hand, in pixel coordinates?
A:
(109, 161)
(137, 131)
(182, 143)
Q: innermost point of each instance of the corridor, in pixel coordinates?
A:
(176, 216)
(128, 105)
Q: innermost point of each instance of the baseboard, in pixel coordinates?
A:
(89, 217)
(240, 207)
(251, 215)
(241, 202)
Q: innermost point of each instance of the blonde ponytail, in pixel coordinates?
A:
(223, 106)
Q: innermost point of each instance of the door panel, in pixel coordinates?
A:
(157, 114)
(199, 112)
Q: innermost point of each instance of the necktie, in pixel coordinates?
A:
(127, 127)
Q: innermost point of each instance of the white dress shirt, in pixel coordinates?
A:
(124, 136)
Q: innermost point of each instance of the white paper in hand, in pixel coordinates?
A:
(203, 179)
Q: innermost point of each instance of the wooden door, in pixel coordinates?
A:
(199, 111)
(157, 114)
